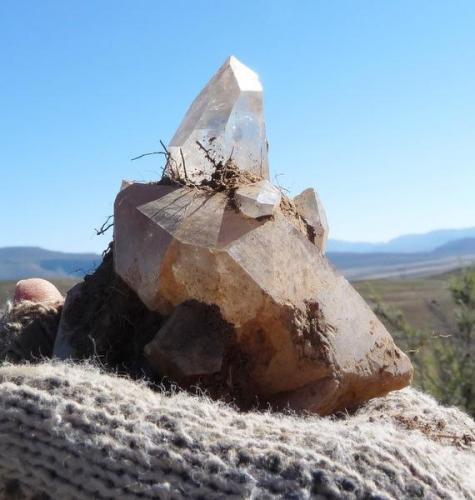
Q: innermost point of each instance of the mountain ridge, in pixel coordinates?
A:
(358, 265)
(19, 262)
(406, 243)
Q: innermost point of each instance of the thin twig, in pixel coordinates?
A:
(148, 154)
(183, 161)
(231, 155)
(164, 152)
(164, 148)
(207, 153)
(282, 188)
(441, 336)
(105, 227)
(170, 161)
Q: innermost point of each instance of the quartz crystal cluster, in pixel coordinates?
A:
(239, 272)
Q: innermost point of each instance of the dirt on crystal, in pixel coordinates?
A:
(112, 326)
(290, 211)
(110, 322)
(228, 177)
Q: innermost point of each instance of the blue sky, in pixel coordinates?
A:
(370, 102)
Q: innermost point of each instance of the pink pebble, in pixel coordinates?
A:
(36, 290)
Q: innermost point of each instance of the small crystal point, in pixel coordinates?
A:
(225, 121)
(310, 207)
(258, 200)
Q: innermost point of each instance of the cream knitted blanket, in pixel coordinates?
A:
(71, 432)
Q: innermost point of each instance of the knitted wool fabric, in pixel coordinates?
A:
(71, 432)
(28, 330)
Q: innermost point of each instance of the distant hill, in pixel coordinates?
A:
(25, 262)
(460, 247)
(409, 243)
(358, 266)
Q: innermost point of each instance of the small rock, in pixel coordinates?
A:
(37, 290)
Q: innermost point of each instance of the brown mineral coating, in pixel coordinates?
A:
(104, 319)
(309, 339)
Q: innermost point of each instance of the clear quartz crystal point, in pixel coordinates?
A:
(257, 200)
(225, 121)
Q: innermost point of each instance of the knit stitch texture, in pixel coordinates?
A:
(71, 432)
(28, 330)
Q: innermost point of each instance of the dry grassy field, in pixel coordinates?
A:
(426, 302)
